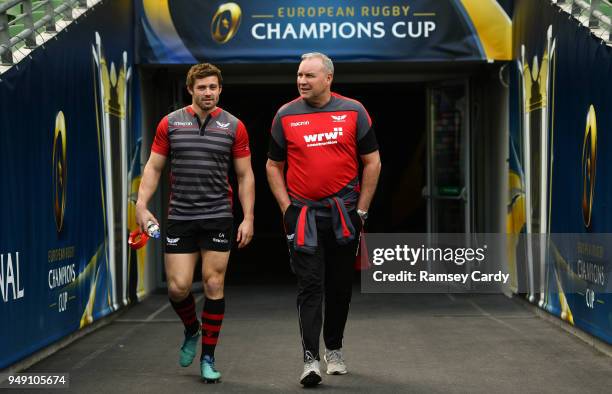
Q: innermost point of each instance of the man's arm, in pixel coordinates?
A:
(276, 180)
(246, 194)
(369, 179)
(148, 185)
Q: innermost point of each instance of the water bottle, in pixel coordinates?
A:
(152, 229)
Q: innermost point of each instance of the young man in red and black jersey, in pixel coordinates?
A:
(321, 136)
(200, 140)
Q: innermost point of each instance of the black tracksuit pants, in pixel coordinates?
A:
(325, 276)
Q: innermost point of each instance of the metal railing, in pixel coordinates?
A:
(595, 14)
(22, 20)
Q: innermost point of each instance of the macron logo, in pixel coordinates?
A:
(339, 118)
(222, 125)
(183, 124)
(302, 123)
(323, 138)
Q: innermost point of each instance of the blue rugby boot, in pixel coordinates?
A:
(208, 371)
(189, 349)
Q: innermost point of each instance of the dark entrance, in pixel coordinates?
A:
(398, 112)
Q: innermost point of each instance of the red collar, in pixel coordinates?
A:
(213, 114)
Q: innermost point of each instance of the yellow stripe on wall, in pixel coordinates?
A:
(157, 13)
(493, 26)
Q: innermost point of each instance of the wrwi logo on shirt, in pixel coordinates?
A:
(321, 139)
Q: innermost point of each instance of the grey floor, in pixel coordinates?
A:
(395, 343)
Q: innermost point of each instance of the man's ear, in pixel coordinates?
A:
(190, 90)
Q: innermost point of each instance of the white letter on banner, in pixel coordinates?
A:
(274, 30)
(20, 291)
(324, 28)
(364, 30)
(351, 30)
(412, 34)
(254, 31)
(308, 31)
(429, 27)
(289, 30)
(10, 278)
(380, 29)
(2, 278)
(395, 32)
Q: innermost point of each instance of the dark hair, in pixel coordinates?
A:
(202, 70)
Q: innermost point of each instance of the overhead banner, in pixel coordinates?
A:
(69, 160)
(560, 143)
(182, 31)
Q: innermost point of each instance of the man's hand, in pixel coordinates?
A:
(148, 184)
(276, 180)
(245, 233)
(143, 215)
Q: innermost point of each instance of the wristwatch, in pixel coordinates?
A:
(362, 214)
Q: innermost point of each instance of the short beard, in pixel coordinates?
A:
(203, 106)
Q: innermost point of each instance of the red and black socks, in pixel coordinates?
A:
(186, 311)
(212, 318)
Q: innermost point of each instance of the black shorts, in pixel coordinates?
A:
(188, 236)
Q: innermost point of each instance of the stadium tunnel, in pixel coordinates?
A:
(464, 117)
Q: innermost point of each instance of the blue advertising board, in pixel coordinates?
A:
(58, 108)
(560, 110)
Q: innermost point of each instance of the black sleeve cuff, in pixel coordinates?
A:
(368, 143)
(275, 152)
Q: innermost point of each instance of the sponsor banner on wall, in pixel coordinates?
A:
(559, 181)
(364, 30)
(66, 139)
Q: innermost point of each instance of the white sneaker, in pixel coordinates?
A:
(335, 362)
(312, 374)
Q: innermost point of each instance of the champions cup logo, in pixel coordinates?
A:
(225, 22)
(589, 160)
(59, 169)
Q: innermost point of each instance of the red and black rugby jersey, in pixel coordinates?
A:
(321, 145)
(200, 155)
